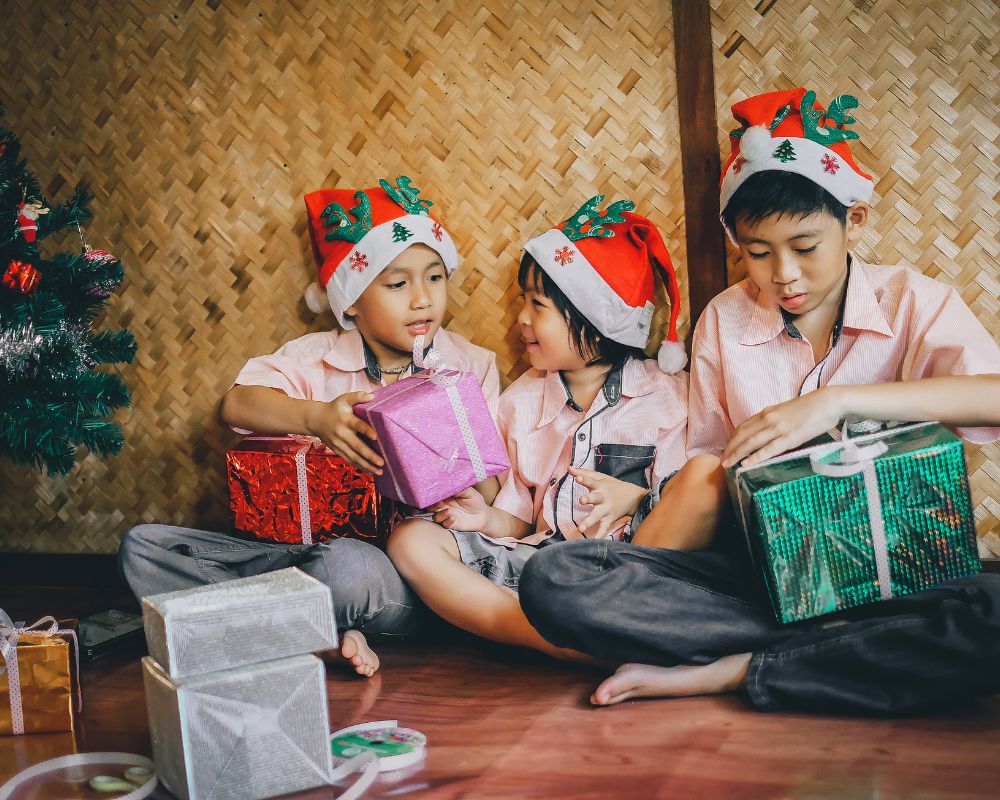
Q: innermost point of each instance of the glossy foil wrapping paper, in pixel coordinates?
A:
(422, 440)
(264, 495)
(47, 677)
(812, 535)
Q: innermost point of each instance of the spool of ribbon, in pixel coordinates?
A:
(10, 632)
(301, 478)
(83, 760)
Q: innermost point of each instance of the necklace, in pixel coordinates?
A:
(395, 370)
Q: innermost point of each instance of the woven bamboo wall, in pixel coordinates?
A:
(926, 73)
(200, 125)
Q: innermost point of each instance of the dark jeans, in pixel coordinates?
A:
(626, 603)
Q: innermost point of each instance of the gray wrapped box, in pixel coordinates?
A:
(235, 623)
(241, 734)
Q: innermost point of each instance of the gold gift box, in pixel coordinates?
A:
(45, 666)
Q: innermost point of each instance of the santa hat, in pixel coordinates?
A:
(604, 262)
(353, 247)
(789, 131)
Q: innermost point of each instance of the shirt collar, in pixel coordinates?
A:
(628, 378)
(351, 353)
(859, 310)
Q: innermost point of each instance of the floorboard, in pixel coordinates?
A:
(508, 724)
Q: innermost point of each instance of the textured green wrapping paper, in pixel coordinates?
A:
(816, 541)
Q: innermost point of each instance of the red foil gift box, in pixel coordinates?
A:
(299, 492)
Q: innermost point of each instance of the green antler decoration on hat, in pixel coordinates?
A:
(589, 213)
(344, 228)
(406, 196)
(813, 121)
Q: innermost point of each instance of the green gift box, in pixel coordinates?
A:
(847, 523)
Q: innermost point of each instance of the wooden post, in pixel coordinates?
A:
(706, 248)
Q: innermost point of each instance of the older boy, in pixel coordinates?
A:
(383, 268)
(811, 337)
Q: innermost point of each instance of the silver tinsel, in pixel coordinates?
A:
(23, 350)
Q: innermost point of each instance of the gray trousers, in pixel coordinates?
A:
(368, 593)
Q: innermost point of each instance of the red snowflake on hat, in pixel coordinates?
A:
(830, 164)
(564, 256)
(738, 164)
(359, 261)
(438, 231)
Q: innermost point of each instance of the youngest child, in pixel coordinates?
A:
(590, 429)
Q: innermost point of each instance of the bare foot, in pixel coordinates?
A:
(728, 674)
(354, 650)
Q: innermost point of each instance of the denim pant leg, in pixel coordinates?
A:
(626, 603)
(368, 593)
(922, 650)
(165, 558)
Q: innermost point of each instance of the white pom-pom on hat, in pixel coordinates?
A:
(671, 357)
(316, 299)
(755, 144)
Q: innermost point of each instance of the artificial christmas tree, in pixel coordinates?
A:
(52, 399)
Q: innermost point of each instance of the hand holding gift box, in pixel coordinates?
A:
(37, 676)
(844, 524)
(435, 433)
(295, 490)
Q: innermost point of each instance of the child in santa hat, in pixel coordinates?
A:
(592, 429)
(813, 336)
(384, 266)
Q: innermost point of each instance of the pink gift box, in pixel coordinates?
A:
(436, 435)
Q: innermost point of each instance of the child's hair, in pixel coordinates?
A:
(583, 333)
(771, 192)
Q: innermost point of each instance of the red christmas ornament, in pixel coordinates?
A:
(21, 277)
(27, 219)
(98, 256)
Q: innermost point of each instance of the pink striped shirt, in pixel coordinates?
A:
(897, 325)
(634, 430)
(323, 366)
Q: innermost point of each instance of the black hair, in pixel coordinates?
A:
(588, 341)
(775, 192)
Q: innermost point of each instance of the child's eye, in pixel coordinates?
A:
(435, 278)
(399, 285)
(758, 256)
(806, 250)
(537, 302)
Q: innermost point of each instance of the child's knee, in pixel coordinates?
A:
(411, 537)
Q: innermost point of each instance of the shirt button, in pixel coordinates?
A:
(582, 437)
(552, 482)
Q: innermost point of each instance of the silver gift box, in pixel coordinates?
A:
(235, 623)
(241, 734)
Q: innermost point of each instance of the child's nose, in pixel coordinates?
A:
(522, 315)
(421, 297)
(785, 269)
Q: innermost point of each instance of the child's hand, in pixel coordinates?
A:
(337, 426)
(466, 511)
(610, 500)
(784, 426)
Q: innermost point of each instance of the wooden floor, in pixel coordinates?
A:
(505, 724)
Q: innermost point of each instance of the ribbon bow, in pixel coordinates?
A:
(10, 632)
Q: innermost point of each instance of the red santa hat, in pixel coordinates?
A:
(604, 263)
(791, 132)
(353, 247)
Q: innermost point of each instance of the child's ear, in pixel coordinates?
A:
(857, 219)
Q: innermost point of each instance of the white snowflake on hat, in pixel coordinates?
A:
(604, 262)
(353, 246)
(789, 131)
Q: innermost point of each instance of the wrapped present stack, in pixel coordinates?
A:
(237, 705)
(294, 490)
(848, 523)
(39, 675)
